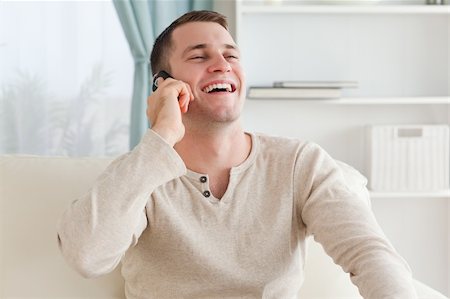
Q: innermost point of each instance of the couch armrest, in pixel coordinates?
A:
(326, 280)
(426, 292)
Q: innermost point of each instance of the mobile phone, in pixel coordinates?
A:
(162, 74)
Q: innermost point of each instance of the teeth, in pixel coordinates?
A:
(226, 86)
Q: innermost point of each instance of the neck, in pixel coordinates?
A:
(209, 150)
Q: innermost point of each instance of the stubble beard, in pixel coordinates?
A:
(203, 118)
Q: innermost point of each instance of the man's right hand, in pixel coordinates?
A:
(164, 108)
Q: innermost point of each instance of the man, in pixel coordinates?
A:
(202, 209)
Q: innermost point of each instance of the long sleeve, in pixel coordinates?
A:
(333, 207)
(98, 228)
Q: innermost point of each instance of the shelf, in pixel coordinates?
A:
(345, 9)
(372, 101)
(412, 195)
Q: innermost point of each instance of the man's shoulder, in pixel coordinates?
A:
(272, 145)
(267, 141)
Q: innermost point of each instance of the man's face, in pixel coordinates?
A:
(205, 56)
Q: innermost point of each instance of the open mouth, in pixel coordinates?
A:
(219, 87)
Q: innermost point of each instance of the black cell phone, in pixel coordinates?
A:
(162, 74)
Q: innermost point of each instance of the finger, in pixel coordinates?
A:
(186, 99)
(184, 108)
(191, 97)
(190, 92)
(181, 90)
(184, 92)
(184, 102)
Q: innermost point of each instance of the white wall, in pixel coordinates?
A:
(417, 228)
(227, 8)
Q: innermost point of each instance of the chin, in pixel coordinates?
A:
(226, 120)
(214, 117)
(225, 115)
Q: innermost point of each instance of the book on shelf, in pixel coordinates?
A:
(316, 84)
(267, 92)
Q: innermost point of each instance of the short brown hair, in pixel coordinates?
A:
(159, 58)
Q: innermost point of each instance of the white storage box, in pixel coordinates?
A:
(409, 158)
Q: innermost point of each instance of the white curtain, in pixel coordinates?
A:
(66, 76)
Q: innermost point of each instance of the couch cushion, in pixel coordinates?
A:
(34, 191)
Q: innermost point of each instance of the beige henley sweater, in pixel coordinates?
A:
(153, 215)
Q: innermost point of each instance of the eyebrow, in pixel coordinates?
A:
(204, 46)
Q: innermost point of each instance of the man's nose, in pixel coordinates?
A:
(219, 64)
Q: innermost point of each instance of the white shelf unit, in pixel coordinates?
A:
(410, 195)
(357, 9)
(255, 7)
(372, 101)
(420, 79)
(400, 56)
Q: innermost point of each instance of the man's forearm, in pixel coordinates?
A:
(97, 229)
(334, 207)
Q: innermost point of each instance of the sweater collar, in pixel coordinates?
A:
(239, 168)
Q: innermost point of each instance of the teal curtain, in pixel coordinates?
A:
(142, 21)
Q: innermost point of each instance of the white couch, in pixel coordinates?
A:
(33, 193)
